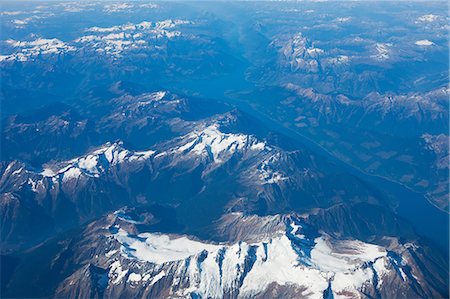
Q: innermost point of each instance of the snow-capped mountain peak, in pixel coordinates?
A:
(218, 146)
(97, 162)
(293, 257)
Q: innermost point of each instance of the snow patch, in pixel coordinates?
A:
(71, 173)
(343, 19)
(111, 253)
(301, 54)
(428, 18)
(424, 42)
(156, 278)
(116, 40)
(382, 51)
(134, 277)
(219, 146)
(268, 174)
(116, 273)
(117, 7)
(160, 249)
(29, 50)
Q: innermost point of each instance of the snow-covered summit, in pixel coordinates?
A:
(382, 51)
(424, 42)
(294, 257)
(116, 40)
(428, 18)
(29, 50)
(97, 162)
(213, 144)
(301, 54)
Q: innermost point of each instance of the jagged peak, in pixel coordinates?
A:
(96, 162)
(219, 146)
(294, 255)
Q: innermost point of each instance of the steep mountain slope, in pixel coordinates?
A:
(410, 114)
(258, 177)
(387, 135)
(120, 111)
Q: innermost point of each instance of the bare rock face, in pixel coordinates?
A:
(91, 284)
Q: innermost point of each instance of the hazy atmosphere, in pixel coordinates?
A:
(228, 149)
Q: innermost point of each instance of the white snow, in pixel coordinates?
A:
(282, 267)
(47, 172)
(314, 52)
(273, 178)
(380, 266)
(111, 253)
(439, 144)
(134, 277)
(156, 278)
(34, 185)
(116, 272)
(89, 163)
(93, 164)
(75, 7)
(350, 255)
(300, 53)
(148, 5)
(21, 22)
(117, 7)
(113, 153)
(424, 42)
(345, 262)
(295, 228)
(210, 141)
(28, 50)
(112, 44)
(116, 40)
(17, 171)
(151, 98)
(343, 19)
(160, 249)
(157, 96)
(341, 59)
(382, 51)
(71, 173)
(31, 16)
(12, 13)
(428, 18)
(125, 6)
(8, 168)
(268, 174)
